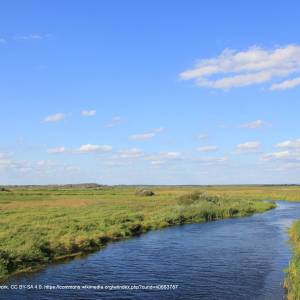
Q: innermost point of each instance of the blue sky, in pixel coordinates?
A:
(149, 92)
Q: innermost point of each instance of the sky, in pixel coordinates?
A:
(150, 92)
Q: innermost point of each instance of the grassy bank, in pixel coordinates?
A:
(39, 226)
(292, 280)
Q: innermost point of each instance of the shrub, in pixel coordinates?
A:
(195, 197)
(144, 192)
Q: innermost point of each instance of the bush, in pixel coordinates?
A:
(143, 192)
(195, 197)
(2, 189)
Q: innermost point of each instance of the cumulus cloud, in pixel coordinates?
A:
(248, 147)
(164, 157)
(131, 153)
(290, 144)
(72, 169)
(287, 84)
(11, 165)
(142, 136)
(5, 159)
(212, 160)
(256, 65)
(207, 148)
(202, 136)
(87, 148)
(128, 156)
(254, 124)
(287, 158)
(88, 113)
(44, 162)
(47, 167)
(57, 150)
(5, 155)
(277, 155)
(55, 118)
(114, 122)
(124, 157)
(283, 160)
(146, 135)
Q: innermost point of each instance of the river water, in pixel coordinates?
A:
(240, 258)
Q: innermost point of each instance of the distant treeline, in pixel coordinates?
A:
(56, 186)
(96, 185)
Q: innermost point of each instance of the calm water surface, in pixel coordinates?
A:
(231, 259)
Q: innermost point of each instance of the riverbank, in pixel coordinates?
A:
(40, 226)
(292, 281)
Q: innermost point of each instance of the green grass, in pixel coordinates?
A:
(292, 280)
(39, 226)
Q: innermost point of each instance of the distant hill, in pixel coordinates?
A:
(58, 186)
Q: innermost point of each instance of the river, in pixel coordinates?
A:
(241, 258)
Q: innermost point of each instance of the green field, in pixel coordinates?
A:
(41, 225)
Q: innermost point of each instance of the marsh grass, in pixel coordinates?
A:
(292, 280)
(39, 226)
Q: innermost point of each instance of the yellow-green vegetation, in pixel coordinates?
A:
(292, 280)
(39, 226)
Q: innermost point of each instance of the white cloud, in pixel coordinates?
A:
(247, 147)
(44, 162)
(5, 155)
(114, 122)
(291, 144)
(49, 168)
(33, 37)
(124, 157)
(131, 153)
(202, 136)
(29, 37)
(207, 148)
(72, 169)
(146, 135)
(283, 160)
(288, 158)
(115, 163)
(170, 155)
(87, 148)
(164, 157)
(288, 166)
(55, 118)
(5, 159)
(57, 150)
(9, 164)
(142, 136)
(88, 113)
(93, 148)
(35, 169)
(212, 160)
(254, 66)
(128, 156)
(254, 124)
(277, 155)
(287, 84)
